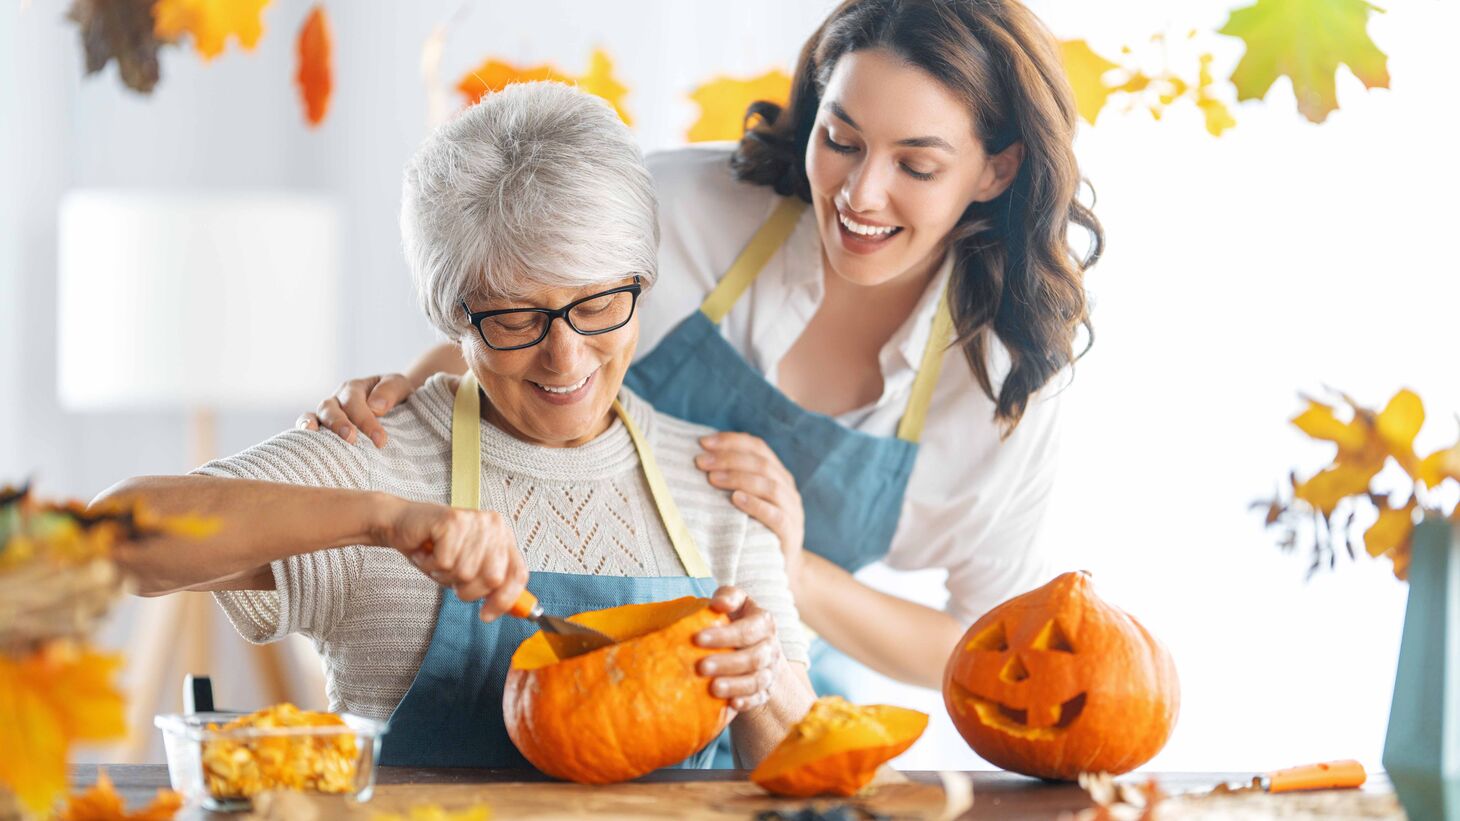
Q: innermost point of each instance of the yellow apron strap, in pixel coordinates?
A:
(466, 445)
(910, 429)
(747, 266)
(679, 535)
(466, 471)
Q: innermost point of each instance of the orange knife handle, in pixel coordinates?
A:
(1324, 776)
(525, 606)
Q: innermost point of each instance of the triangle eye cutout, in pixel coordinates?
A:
(992, 638)
(1014, 670)
(1051, 637)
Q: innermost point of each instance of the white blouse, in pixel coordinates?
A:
(974, 503)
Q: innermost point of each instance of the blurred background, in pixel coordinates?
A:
(1281, 256)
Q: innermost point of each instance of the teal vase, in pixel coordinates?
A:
(1422, 747)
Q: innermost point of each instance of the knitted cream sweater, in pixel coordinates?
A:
(587, 509)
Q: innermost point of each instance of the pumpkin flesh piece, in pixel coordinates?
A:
(837, 748)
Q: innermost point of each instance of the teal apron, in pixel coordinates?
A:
(452, 714)
(851, 483)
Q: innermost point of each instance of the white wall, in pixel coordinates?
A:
(1281, 257)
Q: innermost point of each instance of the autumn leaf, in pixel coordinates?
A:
(314, 75)
(210, 22)
(119, 30)
(1441, 465)
(1319, 422)
(723, 102)
(495, 75)
(1392, 528)
(1305, 40)
(59, 694)
(1218, 117)
(599, 81)
(1086, 71)
(102, 803)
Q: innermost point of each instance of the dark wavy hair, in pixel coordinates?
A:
(1016, 276)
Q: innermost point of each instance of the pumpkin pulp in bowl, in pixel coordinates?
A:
(621, 711)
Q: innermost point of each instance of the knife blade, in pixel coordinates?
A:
(565, 637)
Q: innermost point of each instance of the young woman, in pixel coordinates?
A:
(885, 363)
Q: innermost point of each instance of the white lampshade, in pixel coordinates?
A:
(199, 300)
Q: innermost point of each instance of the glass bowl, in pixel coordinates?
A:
(223, 769)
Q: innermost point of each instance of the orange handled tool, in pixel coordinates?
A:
(1329, 775)
(566, 638)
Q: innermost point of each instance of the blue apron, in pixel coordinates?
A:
(452, 714)
(851, 483)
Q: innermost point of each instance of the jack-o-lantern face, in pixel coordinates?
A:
(1056, 682)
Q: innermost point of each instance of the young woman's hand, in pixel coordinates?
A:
(473, 552)
(761, 486)
(746, 674)
(357, 406)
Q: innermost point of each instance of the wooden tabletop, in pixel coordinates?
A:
(997, 795)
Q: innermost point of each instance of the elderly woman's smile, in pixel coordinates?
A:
(559, 390)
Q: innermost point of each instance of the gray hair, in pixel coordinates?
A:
(539, 185)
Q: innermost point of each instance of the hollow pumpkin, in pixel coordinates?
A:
(621, 711)
(837, 747)
(1056, 682)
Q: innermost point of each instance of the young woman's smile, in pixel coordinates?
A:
(894, 161)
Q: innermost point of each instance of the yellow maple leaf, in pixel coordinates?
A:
(495, 75)
(600, 81)
(1441, 465)
(1087, 71)
(1306, 41)
(210, 22)
(1319, 422)
(1397, 425)
(723, 102)
(59, 694)
(1392, 529)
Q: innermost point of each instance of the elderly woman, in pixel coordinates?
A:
(530, 227)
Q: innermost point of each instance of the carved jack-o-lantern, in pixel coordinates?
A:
(1056, 682)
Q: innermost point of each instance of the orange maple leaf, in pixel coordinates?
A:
(724, 100)
(102, 803)
(314, 77)
(59, 694)
(495, 75)
(210, 22)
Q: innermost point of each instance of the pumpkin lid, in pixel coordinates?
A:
(623, 623)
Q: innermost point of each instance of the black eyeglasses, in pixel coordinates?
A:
(515, 328)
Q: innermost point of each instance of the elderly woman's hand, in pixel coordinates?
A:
(745, 674)
(474, 552)
(357, 404)
(761, 487)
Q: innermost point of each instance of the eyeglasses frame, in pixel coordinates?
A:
(475, 317)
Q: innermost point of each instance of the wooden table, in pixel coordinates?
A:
(682, 794)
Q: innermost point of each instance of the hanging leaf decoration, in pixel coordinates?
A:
(724, 100)
(1306, 41)
(1087, 71)
(210, 22)
(315, 75)
(119, 30)
(495, 75)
